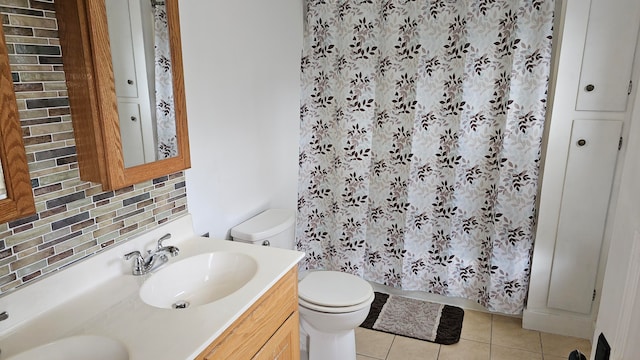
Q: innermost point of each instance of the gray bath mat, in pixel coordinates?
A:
(414, 318)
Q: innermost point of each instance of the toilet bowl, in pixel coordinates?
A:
(331, 303)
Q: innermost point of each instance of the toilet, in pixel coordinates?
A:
(331, 303)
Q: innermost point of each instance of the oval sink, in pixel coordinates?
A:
(198, 280)
(80, 347)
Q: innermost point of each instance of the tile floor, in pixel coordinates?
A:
(484, 337)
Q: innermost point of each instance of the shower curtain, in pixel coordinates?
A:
(421, 128)
(165, 114)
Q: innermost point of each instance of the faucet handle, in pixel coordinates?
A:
(135, 254)
(138, 262)
(163, 238)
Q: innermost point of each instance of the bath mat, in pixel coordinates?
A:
(415, 318)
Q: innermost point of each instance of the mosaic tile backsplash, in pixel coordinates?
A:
(74, 218)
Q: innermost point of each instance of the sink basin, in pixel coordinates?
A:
(198, 280)
(81, 347)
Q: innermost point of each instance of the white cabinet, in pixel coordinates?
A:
(609, 50)
(596, 41)
(131, 38)
(585, 198)
(131, 133)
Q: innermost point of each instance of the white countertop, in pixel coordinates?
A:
(113, 308)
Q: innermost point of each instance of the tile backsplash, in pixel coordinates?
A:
(74, 218)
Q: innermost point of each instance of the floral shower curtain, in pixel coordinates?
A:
(421, 128)
(165, 114)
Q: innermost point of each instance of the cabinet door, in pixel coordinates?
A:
(284, 344)
(131, 133)
(122, 50)
(609, 49)
(585, 200)
(247, 335)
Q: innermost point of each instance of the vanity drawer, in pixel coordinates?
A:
(247, 335)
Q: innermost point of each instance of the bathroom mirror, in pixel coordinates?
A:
(123, 66)
(141, 57)
(16, 197)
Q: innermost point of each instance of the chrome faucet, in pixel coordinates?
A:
(155, 258)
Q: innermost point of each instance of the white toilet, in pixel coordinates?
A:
(332, 304)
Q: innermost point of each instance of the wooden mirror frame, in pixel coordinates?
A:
(86, 54)
(19, 201)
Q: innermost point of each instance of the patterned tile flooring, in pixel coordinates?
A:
(484, 337)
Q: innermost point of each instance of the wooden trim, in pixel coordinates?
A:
(179, 97)
(108, 120)
(19, 201)
(73, 29)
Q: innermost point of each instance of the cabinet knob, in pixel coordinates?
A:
(581, 142)
(130, 82)
(133, 118)
(589, 88)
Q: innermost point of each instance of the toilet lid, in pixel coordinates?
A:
(334, 289)
(336, 310)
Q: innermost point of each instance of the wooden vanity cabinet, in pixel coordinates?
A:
(269, 330)
(281, 345)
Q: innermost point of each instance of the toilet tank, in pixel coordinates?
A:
(273, 227)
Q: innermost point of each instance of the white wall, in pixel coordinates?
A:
(618, 312)
(241, 67)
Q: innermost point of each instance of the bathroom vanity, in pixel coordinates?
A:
(268, 330)
(99, 301)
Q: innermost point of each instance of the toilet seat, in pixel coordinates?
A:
(337, 309)
(334, 292)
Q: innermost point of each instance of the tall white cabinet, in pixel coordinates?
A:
(589, 114)
(131, 39)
